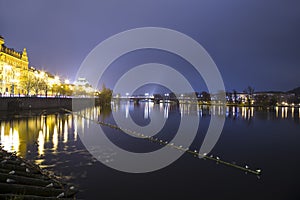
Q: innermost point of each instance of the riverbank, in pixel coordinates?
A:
(20, 179)
(247, 105)
(32, 103)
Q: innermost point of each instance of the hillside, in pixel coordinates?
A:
(296, 91)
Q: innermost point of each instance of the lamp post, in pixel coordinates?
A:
(13, 83)
(12, 92)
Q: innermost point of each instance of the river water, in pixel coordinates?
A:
(268, 139)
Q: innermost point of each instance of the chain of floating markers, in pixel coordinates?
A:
(195, 153)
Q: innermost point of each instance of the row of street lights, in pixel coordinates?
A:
(39, 83)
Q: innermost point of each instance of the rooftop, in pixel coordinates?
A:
(11, 52)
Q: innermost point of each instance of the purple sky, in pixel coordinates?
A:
(252, 42)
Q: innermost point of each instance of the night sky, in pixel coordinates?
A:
(252, 42)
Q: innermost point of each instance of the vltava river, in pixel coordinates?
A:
(268, 139)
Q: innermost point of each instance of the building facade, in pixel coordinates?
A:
(18, 79)
(13, 70)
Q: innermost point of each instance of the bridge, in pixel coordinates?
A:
(155, 98)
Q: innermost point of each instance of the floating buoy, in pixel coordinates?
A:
(195, 152)
(9, 180)
(12, 172)
(61, 195)
(49, 185)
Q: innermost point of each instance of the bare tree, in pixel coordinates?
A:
(249, 91)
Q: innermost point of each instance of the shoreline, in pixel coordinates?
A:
(21, 179)
(33, 103)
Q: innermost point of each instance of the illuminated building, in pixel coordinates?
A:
(18, 79)
(13, 69)
(83, 87)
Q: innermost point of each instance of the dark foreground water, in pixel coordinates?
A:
(268, 139)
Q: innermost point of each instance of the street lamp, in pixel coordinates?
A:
(13, 82)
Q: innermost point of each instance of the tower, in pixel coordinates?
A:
(24, 55)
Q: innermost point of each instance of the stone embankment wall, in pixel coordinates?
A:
(25, 103)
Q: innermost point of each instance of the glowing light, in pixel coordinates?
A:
(166, 111)
(55, 138)
(214, 110)
(82, 125)
(15, 140)
(67, 81)
(70, 121)
(11, 141)
(2, 132)
(65, 132)
(42, 74)
(75, 128)
(41, 142)
(7, 67)
(127, 109)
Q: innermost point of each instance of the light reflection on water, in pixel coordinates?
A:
(19, 134)
(52, 129)
(52, 140)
